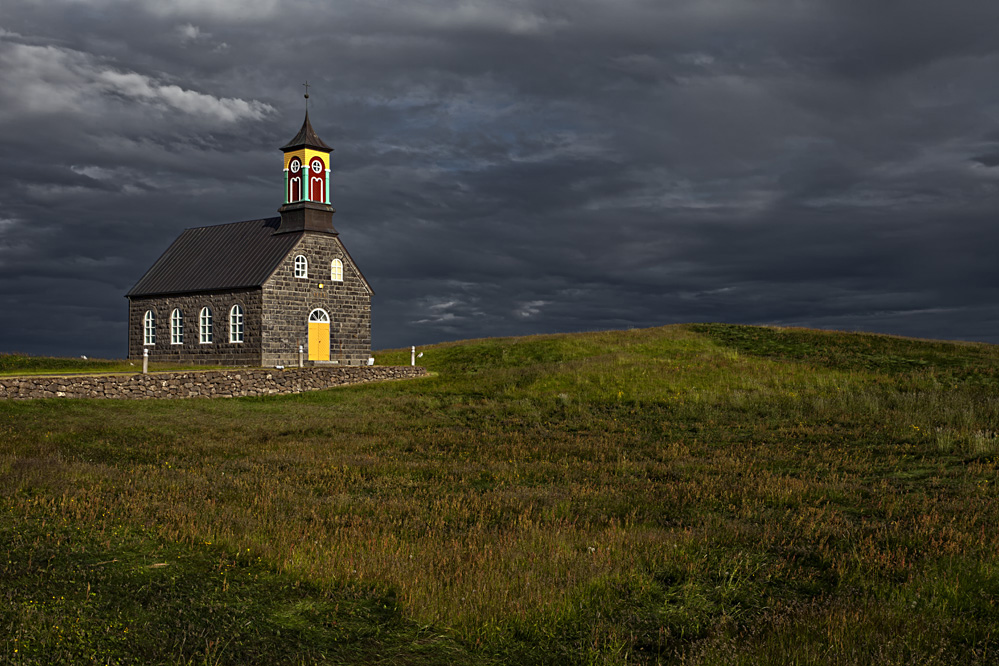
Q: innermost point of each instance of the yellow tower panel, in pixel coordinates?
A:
(305, 155)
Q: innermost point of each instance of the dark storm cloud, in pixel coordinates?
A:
(516, 167)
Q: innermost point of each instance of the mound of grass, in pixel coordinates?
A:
(690, 494)
(865, 351)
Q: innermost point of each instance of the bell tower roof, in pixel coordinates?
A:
(306, 138)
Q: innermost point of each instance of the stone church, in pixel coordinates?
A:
(251, 293)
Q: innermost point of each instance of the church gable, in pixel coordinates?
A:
(314, 259)
(318, 278)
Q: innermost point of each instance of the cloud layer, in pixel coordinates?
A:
(517, 167)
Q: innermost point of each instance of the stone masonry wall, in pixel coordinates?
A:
(287, 302)
(220, 351)
(203, 383)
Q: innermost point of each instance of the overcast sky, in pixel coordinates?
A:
(514, 167)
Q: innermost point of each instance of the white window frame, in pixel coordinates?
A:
(301, 267)
(319, 316)
(205, 333)
(149, 328)
(176, 327)
(236, 324)
(336, 271)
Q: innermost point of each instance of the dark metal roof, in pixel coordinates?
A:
(306, 138)
(224, 256)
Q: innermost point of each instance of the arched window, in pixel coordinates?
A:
(301, 267)
(336, 271)
(319, 316)
(317, 180)
(236, 324)
(176, 327)
(205, 325)
(149, 328)
(295, 180)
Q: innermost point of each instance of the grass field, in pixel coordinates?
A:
(696, 494)
(23, 364)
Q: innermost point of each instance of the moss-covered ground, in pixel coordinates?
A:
(694, 494)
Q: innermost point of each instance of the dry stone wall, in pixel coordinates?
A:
(201, 383)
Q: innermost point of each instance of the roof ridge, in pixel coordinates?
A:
(226, 224)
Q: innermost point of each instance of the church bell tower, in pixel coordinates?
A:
(306, 183)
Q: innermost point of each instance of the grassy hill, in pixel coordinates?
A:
(691, 494)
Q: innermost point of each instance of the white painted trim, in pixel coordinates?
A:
(305, 272)
(176, 327)
(324, 317)
(201, 326)
(241, 324)
(148, 329)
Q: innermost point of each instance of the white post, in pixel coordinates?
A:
(145, 361)
(301, 356)
(412, 356)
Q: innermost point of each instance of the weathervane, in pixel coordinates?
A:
(306, 84)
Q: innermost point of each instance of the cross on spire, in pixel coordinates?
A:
(306, 84)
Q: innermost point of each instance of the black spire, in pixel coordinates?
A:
(306, 138)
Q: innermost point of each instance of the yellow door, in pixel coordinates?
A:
(319, 336)
(319, 341)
